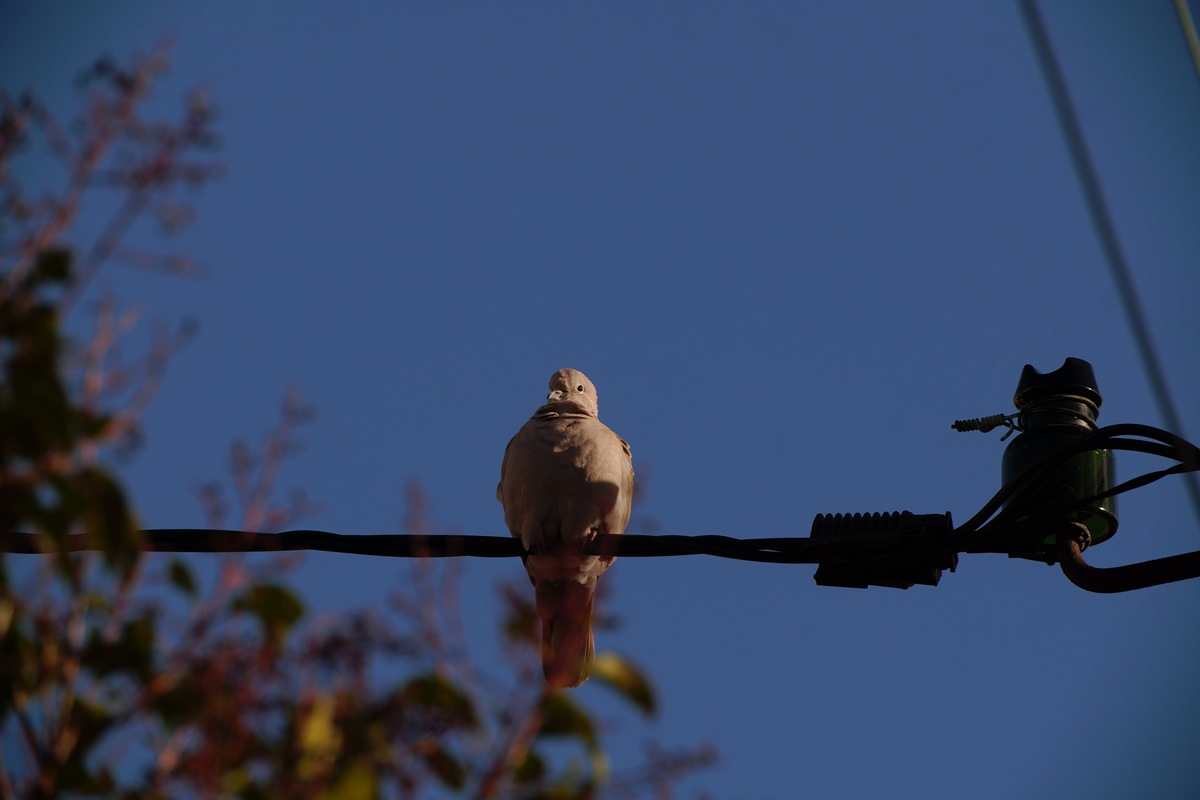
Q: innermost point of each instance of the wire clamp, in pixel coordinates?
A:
(985, 424)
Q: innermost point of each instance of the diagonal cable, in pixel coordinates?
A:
(1189, 32)
(1102, 220)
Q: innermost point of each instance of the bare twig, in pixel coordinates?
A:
(511, 752)
(56, 137)
(278, 445)
(108, 123)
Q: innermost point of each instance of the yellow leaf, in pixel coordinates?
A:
(620, 674)
(319, 739)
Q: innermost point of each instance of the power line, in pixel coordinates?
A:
(897, 550)
(1105, 229)
(787, 550)
(1189, 32)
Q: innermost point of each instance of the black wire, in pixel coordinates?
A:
(1176, 441)
(1020, 507)
(1065, 506)
(786, 550)
(1105, 229)
(1009, 500)
(1029, 479)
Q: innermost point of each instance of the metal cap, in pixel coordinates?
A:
(1074, 377)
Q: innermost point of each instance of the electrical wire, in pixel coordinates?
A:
(896, 550)
(781, 550)
(1189, 32)
(1014, 497)
(1012, 501)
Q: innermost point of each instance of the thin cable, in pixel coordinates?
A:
(786, 550)
(1189, 32)
(1102, 220)
(1100, 439)
(1011, 501)
(866, 544)
(895, 550)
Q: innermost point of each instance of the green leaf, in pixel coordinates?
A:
(19, 660)
(237, 781)
(358, 782)
(276, 608)
(630, 682)
(53, 265)
(74, 775)
(178, 705)
(531, 768)
(444, 765)
(181, 577)
(7, 611)
(108, 520)
(520, 620)
(433, 693)
(562, 717)
(131, 652)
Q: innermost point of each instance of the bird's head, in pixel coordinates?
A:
(570, 386)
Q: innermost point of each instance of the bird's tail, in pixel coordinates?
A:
(568, 649)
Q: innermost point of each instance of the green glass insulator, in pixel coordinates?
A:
(1057, 409)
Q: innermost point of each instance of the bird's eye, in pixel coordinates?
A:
(579, 388)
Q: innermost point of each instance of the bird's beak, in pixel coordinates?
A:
(554, 396)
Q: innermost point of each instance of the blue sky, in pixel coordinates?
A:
(790, 243)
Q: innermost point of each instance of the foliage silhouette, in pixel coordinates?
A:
(122, 675)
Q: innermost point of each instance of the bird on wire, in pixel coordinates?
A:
(565, 479)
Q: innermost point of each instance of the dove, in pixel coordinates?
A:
(566, 478)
